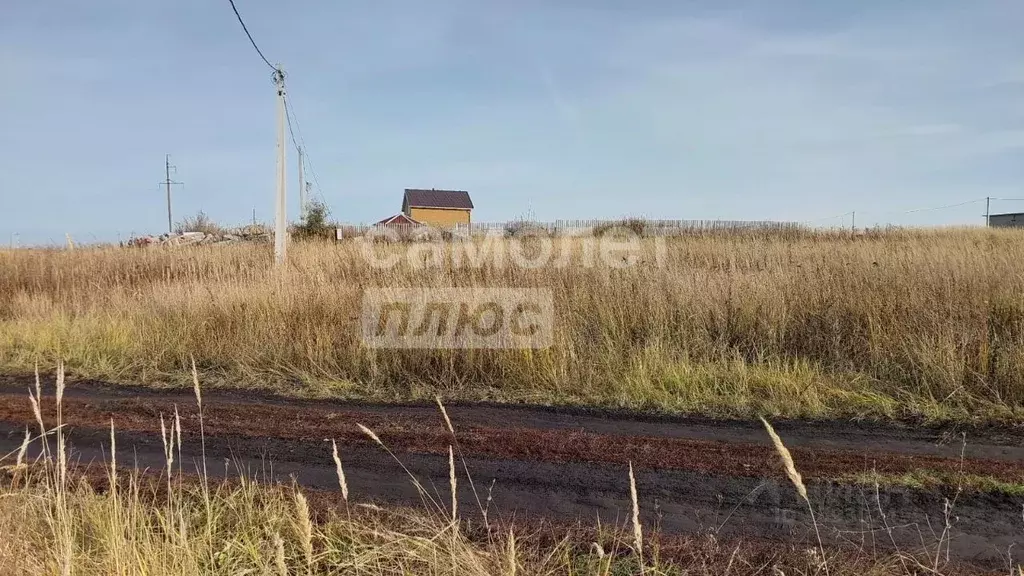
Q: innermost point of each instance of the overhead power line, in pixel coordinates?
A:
(288, 115)
(901, 212)
(242, 22)
(301, 142)
(843, 215)
(916, 210)
(298, 142)
(975, 201)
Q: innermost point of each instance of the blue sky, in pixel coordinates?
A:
(567, 109)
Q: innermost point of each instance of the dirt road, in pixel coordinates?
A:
(692, 474)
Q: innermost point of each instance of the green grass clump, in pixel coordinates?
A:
(932, 480)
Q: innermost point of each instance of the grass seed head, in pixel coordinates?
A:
(195, 383)
(39, 386)
(113, 457)
(510, 553)
(177, 425)
(370, 433)
(60, 382)
(339, 470)
(638, 535)
(279, 563)
(452, 482)
(787, 461)
(20, 460)
(34, 401)
(444, 413)
(168, 442)
(305, 528)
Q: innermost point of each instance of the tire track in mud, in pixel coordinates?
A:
(688, 483)
(998, 442)
(428, 434)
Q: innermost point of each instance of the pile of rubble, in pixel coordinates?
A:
(245, 234)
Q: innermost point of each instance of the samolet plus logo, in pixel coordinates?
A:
(501, 318)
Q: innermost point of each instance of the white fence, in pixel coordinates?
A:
(577, 227)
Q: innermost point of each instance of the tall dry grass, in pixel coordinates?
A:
(900, 323)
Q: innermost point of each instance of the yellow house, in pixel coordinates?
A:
(444, 208)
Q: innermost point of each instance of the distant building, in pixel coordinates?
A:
(1008, 220)
(398, 220)
(444, 208)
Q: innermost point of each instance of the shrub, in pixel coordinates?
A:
(314, 223)
(637, 226)
(198, 223)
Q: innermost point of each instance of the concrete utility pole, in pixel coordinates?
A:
(167, 180)
(988, 202)
(281, 221)
(302, 186)
(168, 183)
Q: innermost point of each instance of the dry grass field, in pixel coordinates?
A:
(890, 324)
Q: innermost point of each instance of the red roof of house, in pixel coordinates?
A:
(399, 220)
(455, 199)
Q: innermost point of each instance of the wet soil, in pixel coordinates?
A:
(693, 475)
